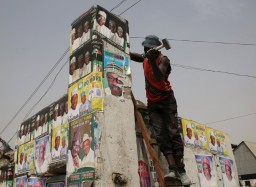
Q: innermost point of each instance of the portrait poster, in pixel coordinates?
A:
(115, 69)
(144, 174)
(211, 135)
(36, 182)
(200, 135)
(56, 184)
(59, 143)
(81, 154)
(21, 181)
(42, 154)
(188, 129)
(222, 144)
(206, 170)
(228, 172)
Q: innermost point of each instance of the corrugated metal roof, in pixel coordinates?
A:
(251, 146)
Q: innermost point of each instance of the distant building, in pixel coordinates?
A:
(245, 156)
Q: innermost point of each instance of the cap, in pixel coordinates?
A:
(211, 133)
(74, 91)
(73, 60)
(38, 118)
(112, 67)
(102, 13)
(57, 133)
(151, 41)
(188, 126)
(86, 137)
(73, 31)
(56, 107)
(206, 161)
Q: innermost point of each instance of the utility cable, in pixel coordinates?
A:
(130, 7)
(35, 91)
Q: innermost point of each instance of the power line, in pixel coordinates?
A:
(130, 7)
(231, 118)
(213, 71)
(35, 91)
(202, 41)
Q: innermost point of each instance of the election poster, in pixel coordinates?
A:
(222, 144)
(206, 170)
(36, 182)
(21, 181)
(228, 172)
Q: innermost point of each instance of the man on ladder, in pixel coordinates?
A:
(162, 107)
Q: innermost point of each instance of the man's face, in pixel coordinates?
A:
(42, 150)
(83, 98)
(87, 58)
(57, 142)
(74, 100)
(213, 140)
(120, 32)
(218, 143)
(56, 114)
(86, 146)
(21, 184)
(86, 26)
(38, 183)
(80, 31)
(63, 142)
(112, 27)
(80, 62)
(189, 133)
(72, 68)
(228, 172)
(207, 171)
(101, 20)
(114, 84)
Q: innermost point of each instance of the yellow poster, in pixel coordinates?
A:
(222, 144)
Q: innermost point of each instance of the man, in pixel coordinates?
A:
(57, 148)
(45, 124)
(64, 148)
(56, 118)
(189, 140)
(73, 158)
(38, 183)
(88, 159)
(87, 61)
(74, 110)
(87, 32)
(162, 107)
(112, 27)
(38, 129)
(120, 38)
(207, 179)
(42, 164)
(228, 178)
(65, 114)
(212, 144)
(73, 73)
(85, 106)
(81, 66)
(99, 24)
(198, 142)
(22, 161)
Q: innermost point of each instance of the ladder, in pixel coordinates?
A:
(148, 142)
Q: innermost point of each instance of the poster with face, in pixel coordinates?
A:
(222, 144)
(115, 69)
(144, 174)
(36, 182)
(81, 154)
(206, 170)
(211, 135)
(85, 96)
(59, 142)
(228, 172)
(21, 181)
(42, 154)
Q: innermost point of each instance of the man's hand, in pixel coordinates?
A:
(152, 54)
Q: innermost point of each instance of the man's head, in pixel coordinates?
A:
(189, 131)
(61, 110)
(86, 26)
(21, 130)
(87, 57)
(80, 61)
(21, 183)
(112, 26)
(57, 140)
(42, 150)
(228, 170)
(120, 31)
(218, 142)
(86, 144)
(83, 97)
(72, 67)
(114, 83)
(63, 141)
(80, 31)
(37, 124)
(21, 157)
(150, 42)
(56, 112)
(74, 98)
(101, 18)
(212, 137)
(206, 168)
(74, 152)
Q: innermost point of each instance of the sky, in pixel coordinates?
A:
(207, 37)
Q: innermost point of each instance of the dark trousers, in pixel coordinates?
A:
(163, 116)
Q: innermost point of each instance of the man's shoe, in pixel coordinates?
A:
(184, 179)
(170, 176)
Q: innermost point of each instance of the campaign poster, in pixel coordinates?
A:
(222, 144)
(81, 155)
(97, 60)
(56, 184)
(36, 182)
(144, 174)
(85, 96)
(74, 180)
(42, 154)
(206, 170)
(59, 143)
(211, 135)
(228, 172)
(194, 134)
(21, 181)
(115, 78)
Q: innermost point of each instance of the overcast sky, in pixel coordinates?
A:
(34, 35)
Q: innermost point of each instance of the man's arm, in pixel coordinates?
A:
(164, 65)
(137, 57)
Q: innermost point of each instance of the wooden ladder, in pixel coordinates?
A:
(148, 142)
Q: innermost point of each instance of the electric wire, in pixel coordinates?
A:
(130, 7)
